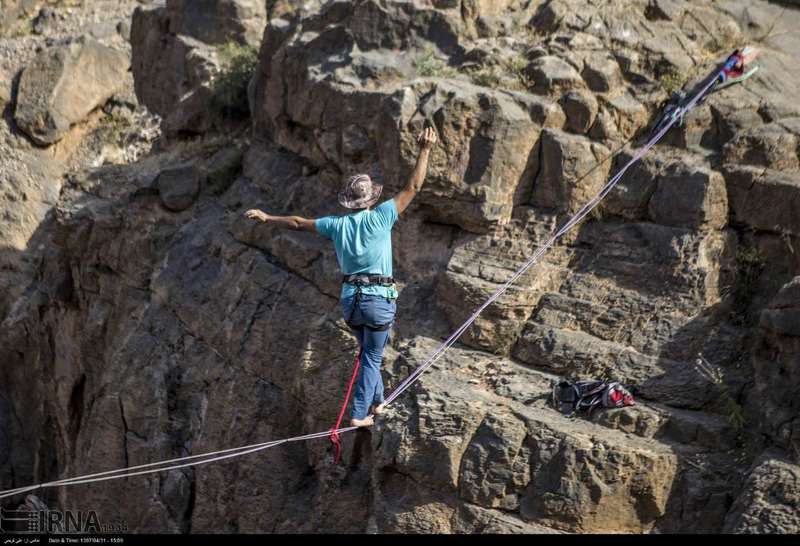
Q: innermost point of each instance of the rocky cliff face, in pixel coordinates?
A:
(160, 323)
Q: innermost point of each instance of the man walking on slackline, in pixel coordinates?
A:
(363, 242)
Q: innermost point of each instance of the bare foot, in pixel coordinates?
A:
(365, 422)
(377, 410)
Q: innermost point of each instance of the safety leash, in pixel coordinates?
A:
(334, 434)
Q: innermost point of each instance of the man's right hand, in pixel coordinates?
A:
(255, 214)
(427, 139)
(296, 223)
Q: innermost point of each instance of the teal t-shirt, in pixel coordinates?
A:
(363, 242)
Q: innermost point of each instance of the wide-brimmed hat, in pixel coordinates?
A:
(360, 192)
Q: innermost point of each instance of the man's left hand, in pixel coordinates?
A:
(427, 139)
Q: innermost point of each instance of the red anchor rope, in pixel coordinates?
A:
(334, 435)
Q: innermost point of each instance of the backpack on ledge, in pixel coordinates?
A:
(570, 398)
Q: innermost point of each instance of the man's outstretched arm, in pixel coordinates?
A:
(427, 139)
(295, 223)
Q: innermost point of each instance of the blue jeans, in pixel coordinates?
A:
(370, 311)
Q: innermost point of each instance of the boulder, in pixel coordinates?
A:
(487, 151)
(733, 114)
(63, 84)
(490, 473)
(356, 123)
(153, 59)
(282, 8)
(626, 310)
(632, 194)
(222, 169)
(14, 11)
(624, 485)
(764, 146)
(782, 322)
(769, 499)
(667, 10)
(773, 400)
(598, 296)
(788, 297)
(333, 90)
(580, 109)
(194, 113)
(552, 75)
(764, 198)
(218, 21)
(473, 519)
(489, 18)
(178, 187)
(601, 72)
(30, 188)
(701, 20)
(629, 115)
(577, 354)
(497, 460)
(173, 74)
(479, 267)
(570, 172)
(604, 127)
(697, 129)
(688, 196)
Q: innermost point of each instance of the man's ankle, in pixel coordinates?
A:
(365, 422)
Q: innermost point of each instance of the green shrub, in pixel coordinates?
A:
(671, 80)
(726, 401)
(733, 410)
(116, 125)
(486, 78)
(513, 68)
(19, 29)
(237, 66)
(517, 67)
(598, 213)
(428, 65)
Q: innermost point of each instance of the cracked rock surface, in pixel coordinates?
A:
(157, 322)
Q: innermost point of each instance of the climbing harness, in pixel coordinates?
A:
(585, 210)
(359, 281)
(734, 70)
(585, 396)
(367, 279)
